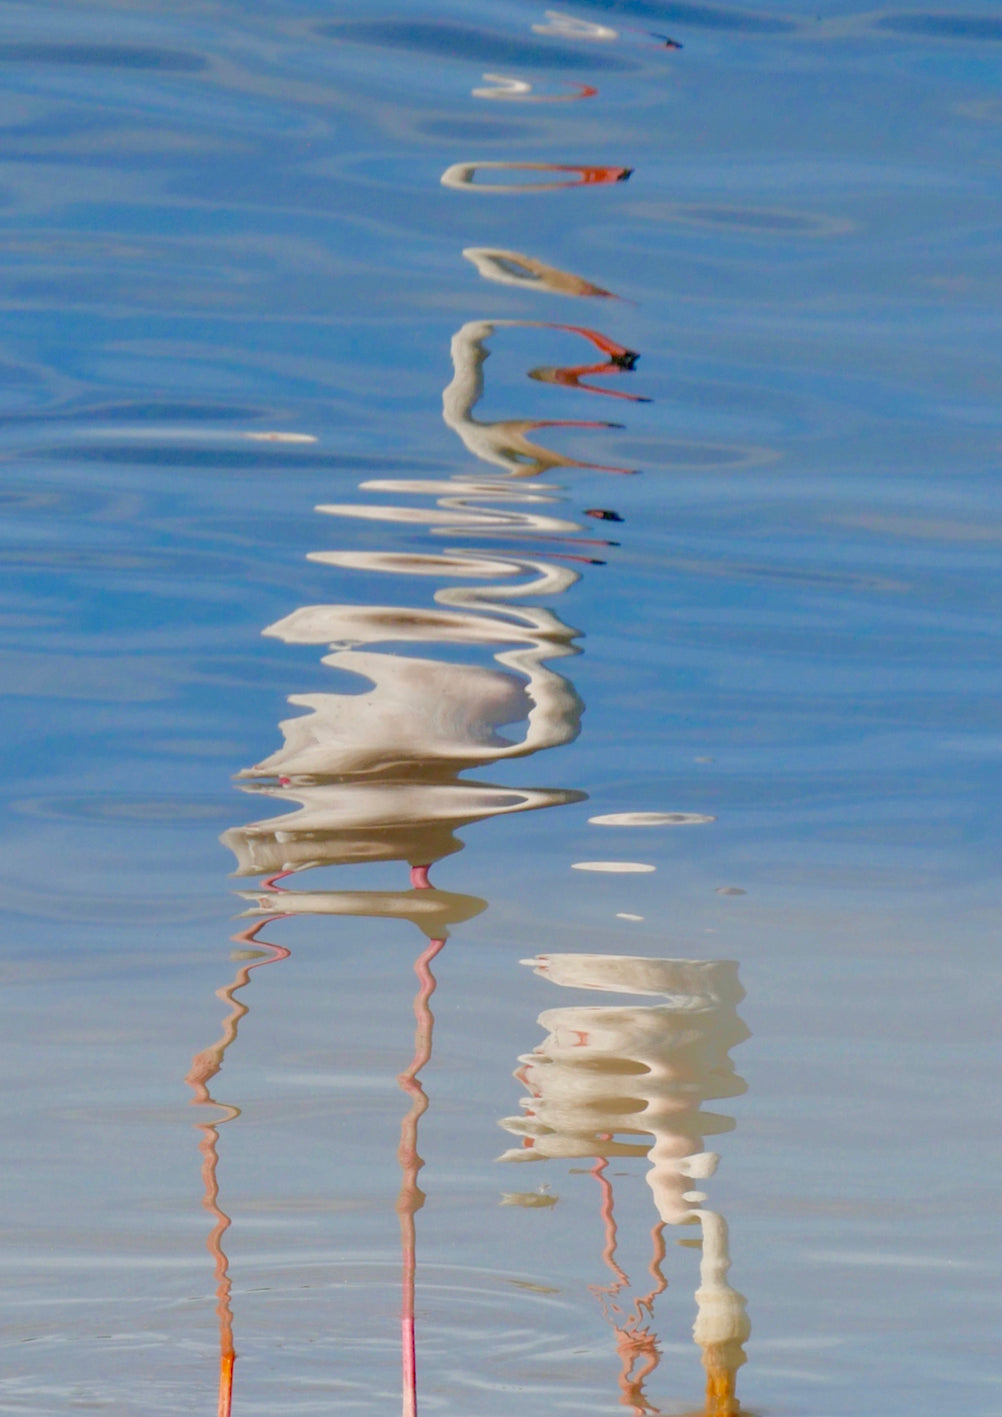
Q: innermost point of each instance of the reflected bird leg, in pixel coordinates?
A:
(635, 1343)
(419, 877)
(632, 1345)
(622, 1279)
(411, 1197)
(204, 1067)
(655, 1271)
(271, 883)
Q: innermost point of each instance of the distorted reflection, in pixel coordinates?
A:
(512, 268)
(204, 1067)
(618, 360)
(461, 174)
(631, 1080)
(372, 770)
(521, 91)
(571, 28)
(505, 442)
(651, 819)
(375, 776)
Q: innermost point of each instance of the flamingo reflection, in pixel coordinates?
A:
(465, 682)
(526, 272)
(204, 1067)
(375, 776)
(504, 442)
(630, 1080)
(379, 775)
(460, 176)
(502, 86)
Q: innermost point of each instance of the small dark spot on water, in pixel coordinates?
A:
(117, 56)
(465, 43)
(730, 890)
(983, 27)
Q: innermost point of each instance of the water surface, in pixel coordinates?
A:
(443, 447)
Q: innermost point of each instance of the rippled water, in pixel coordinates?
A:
(567, 438)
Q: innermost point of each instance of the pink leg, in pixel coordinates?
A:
(411, 1196)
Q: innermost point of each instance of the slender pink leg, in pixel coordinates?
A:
(411, 1197)
(204, 1067)
(271, 884)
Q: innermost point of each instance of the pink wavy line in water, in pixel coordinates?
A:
(204, 1067)
(411, 1197)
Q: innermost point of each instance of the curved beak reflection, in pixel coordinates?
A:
(630, 1080)
(505, 442)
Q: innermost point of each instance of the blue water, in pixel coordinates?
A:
(668, 488)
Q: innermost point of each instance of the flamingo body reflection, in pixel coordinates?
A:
(630, 1081)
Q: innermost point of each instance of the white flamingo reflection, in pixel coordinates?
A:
(631, 1080)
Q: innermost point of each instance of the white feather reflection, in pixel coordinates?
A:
(374, 775)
